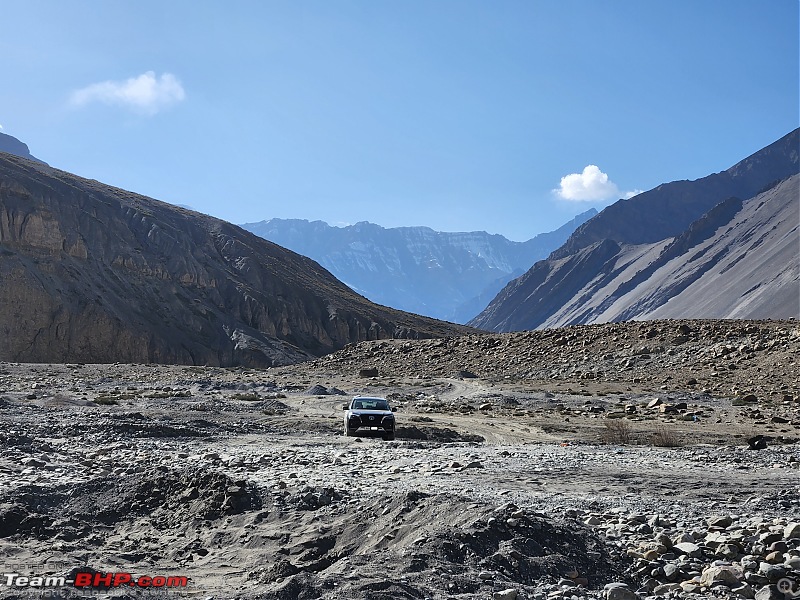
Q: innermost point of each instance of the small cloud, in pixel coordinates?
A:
(591, 185)
(1, 126)
(632, 194)
(145, 94)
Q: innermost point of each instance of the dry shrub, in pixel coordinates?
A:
(665, 438)
(617, 431)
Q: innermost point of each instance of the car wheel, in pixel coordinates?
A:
(388, 437)
(348, 432)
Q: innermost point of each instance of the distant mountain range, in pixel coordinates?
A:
(92, 273)
(724, 246)
(450, 276)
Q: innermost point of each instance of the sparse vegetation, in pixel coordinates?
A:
(248, 396)
(114, 396)
(106, 401)
(160, 394)
(617, 431)
(665, 437)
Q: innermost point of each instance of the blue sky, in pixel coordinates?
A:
(505, 116)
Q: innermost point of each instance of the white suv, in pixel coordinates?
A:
(366, 414)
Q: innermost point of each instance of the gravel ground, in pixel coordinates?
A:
(515, 473)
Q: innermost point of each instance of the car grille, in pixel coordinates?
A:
(370, 421)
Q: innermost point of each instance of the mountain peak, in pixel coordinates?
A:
(11, 145)
(723, 246)
(446, 275)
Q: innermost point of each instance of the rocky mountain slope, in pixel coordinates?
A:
(711, 248)
(449, 276)
(92, 273)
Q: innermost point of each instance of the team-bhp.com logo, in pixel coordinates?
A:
(96, 580)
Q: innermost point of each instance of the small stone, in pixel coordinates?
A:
(663, 540)
(769, 592)
(671, 572)
(773, 573)
(745, 591)
(509, 594)
(619, 591)
(724, 574)
(792, 530)
(721, 521)
(663, 590)
(779, 546)
(728, 551)
(769, 537)
(689, 549)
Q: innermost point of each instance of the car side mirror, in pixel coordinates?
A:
(394, 409)
(345, 406)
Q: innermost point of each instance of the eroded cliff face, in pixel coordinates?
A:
(91, 273)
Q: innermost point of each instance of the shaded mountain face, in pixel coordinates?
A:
(449, 276)
(688, 249)
(12, 145)
(92, 273)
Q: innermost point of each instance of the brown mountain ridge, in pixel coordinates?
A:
(93, 273)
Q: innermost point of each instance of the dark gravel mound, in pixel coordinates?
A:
(435, 434)
(169, 499)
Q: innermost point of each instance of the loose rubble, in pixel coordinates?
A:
(500, 485)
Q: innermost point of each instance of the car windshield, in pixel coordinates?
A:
(371, 404)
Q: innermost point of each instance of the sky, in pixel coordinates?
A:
(503, 116)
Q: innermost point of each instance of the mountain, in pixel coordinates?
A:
(92, 273)
(13, 146)
(710, 248)
(448, 276)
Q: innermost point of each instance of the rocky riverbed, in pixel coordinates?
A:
(622, 461)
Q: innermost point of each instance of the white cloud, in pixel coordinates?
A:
(145, 94)
(589, 186)
(632, 193)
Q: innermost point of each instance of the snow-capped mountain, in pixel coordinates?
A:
(449, 276)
